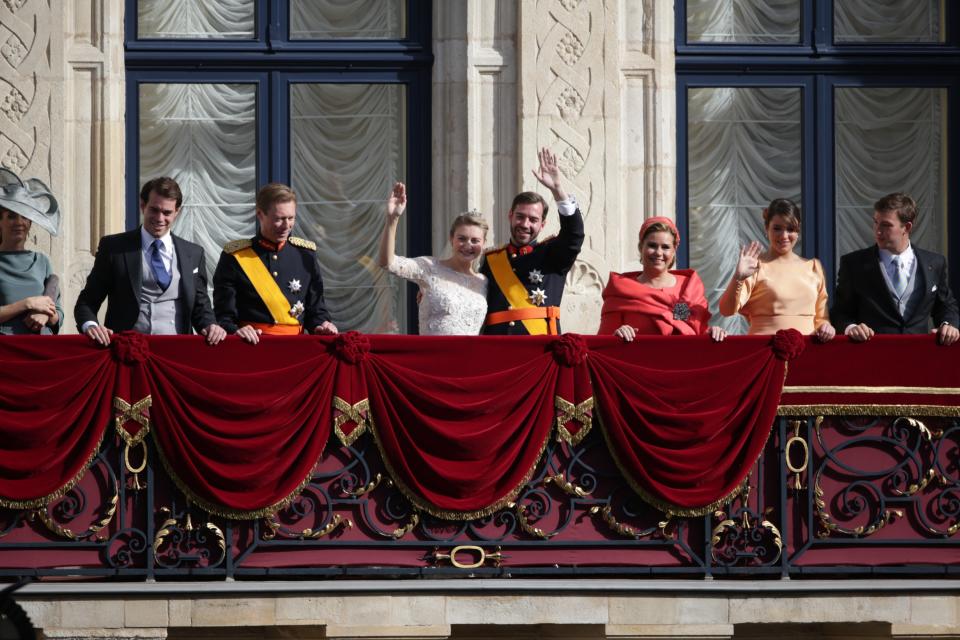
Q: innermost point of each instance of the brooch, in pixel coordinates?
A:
(681, 311)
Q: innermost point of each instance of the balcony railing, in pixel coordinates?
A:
(860, 473)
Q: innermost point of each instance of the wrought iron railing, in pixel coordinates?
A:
(838, 495)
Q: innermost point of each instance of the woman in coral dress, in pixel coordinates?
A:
(778, 289)
(657, 300)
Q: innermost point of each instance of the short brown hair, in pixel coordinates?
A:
(530, 197)
(784, 208)
(164, 187)
(274, 193)
(901, 203)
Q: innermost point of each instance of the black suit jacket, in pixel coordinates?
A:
(116, 274)
(862, 294)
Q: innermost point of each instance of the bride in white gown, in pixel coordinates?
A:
(454, 300)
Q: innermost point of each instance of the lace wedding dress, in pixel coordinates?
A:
(453, 304)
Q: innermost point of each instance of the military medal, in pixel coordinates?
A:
(297, 309)
(294, 286)
(538, 296)
(535, 276)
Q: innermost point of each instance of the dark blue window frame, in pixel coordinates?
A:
(829, 65)
(273, 61)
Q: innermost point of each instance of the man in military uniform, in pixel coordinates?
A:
(271, 284)
(525, 278)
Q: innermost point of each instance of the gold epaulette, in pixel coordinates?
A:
(494, 249)
(236, 245)
(302, 243)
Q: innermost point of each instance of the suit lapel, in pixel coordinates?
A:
(133, 257)
(924, 276)
(185, 264)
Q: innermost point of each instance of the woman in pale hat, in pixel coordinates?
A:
(659, 300)
(29, 290)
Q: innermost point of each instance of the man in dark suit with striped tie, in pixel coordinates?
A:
(894, 287)
(155, 281)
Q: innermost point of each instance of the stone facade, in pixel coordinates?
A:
(496, 613)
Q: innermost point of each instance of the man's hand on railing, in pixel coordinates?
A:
(100, 335)
(947, 334)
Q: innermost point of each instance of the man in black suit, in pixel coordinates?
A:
(525, 277)
(155, 281)
(894, 287)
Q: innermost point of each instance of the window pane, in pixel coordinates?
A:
(874, 21)
(744, 150)
(348, 147)
(347, 19)
(887, 140)
(744, 21)
(196, 19)
(204, 136)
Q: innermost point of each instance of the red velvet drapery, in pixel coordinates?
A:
(461, 422)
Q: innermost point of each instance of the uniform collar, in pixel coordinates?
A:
(269, 245)
(515, 251)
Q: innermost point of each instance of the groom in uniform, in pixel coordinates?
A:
(526, 277)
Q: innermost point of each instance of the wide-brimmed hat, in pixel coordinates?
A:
(31, 199)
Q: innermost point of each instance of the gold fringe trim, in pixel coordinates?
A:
(931, 391)
(350, 412)
(62, 491)
(425, 506)
(226, 512)
(931, 410)
(573, 412)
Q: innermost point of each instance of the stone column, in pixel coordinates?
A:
(475, 113)
(62, 121)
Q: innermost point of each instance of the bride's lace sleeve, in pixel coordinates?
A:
(413, 269)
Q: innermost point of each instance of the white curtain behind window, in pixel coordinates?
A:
(192, 19)
(204, 137)
(876, 21)
(354, 19)
(890, 139)
(348, 148)
(743, 21)
(744, 151)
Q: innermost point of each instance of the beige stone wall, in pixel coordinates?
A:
(493, 614)
(62, 121)
(591, 79)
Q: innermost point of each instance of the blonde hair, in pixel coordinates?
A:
(470, 218)
(658, 227)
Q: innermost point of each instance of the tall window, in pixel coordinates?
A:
(832, 103)
(329, 96)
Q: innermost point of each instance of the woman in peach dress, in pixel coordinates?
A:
(658, 300)
(777, 289)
